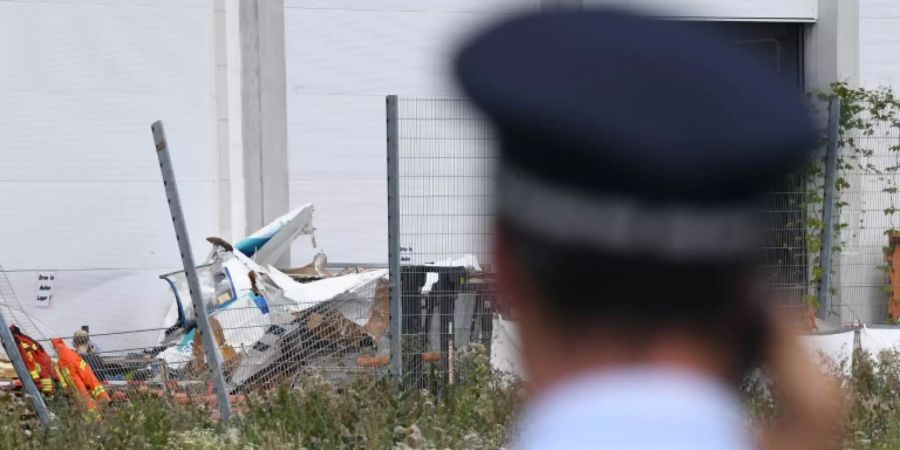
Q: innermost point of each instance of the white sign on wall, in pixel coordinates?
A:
(45, 288)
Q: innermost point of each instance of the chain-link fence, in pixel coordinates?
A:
(443, 154)
(785, 259)
(869, 160)
(125, 365)
(271, 327)
(336, 338)
(265, 335)
(237, 325)
(444, 157)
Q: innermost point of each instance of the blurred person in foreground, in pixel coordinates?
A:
(634, 157)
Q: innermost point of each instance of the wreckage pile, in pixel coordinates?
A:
(271, 324)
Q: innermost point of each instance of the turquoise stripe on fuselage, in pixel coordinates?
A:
(248, 246)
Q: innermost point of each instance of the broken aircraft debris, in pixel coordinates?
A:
(272, 323)
(268, 322)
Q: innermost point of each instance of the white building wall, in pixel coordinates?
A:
(343, 58)
(723, 10)
(861, 280)
(879, 43)
(81, 80)
(80, 190)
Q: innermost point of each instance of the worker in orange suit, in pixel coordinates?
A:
(77, 375)
(37, 361)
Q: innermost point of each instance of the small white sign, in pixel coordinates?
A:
(45, 288)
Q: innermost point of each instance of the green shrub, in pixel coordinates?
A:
(476, 412)
(370, 413)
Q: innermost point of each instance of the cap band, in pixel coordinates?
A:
(672, 230)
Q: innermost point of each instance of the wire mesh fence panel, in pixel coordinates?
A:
(785, 260)
(271, 329)
(335, 339)
(13, 310)
(446, 156)
(134, 365)
(868, 218)
(81, 373)
(33, 381)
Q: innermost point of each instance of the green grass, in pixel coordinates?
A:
(368, 414)
(476, 413)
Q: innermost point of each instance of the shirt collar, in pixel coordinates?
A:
(609, 408)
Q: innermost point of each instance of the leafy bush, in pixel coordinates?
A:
(476, 412)
(370, 413)
(871, 386)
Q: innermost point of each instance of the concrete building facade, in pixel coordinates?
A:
(269, 104)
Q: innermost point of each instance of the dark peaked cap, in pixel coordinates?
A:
(629, 129)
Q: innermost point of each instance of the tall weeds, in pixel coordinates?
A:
(477, 412)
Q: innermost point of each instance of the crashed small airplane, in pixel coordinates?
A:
(271, 324)
(268, 322)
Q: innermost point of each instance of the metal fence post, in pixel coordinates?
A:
(834, 112)
(12, 350)
(393, 171)
(187, 259)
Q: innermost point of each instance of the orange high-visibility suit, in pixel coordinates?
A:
(77, 374)
(37, 361)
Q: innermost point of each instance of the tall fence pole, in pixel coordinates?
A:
(834, 113)
(12, 350)
(187, 259)
(393, 172)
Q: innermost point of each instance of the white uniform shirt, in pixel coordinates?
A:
(638, 408)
